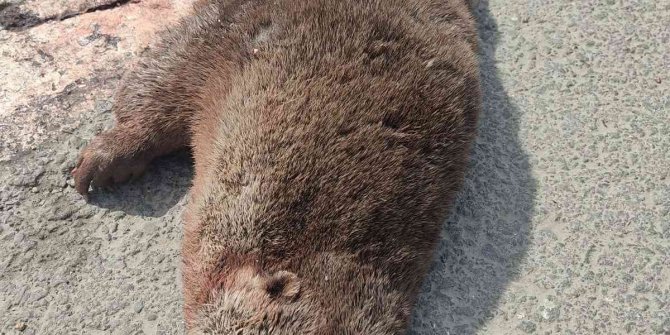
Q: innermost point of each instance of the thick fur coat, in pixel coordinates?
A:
(330, 138)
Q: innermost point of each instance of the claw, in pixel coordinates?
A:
(82, 177)
(100, 165)
(82, 183)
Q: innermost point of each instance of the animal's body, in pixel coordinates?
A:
(329, 137)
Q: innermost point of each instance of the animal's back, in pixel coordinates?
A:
(346, 131)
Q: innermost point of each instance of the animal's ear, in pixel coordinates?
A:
(282, 284)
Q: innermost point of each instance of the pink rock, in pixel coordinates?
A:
(68, 55)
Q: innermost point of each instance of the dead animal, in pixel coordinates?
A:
(329, 137)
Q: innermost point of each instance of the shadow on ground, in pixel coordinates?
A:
(487, 235)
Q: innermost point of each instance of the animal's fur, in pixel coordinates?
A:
(329, 136)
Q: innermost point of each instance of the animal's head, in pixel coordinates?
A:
(282, 303)
(253, 303)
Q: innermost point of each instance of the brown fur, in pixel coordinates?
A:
(329, 137)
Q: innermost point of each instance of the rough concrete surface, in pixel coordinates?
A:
(562, 227)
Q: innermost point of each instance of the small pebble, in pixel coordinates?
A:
(138, 306)
(527, 326)
(152, 317)
(84, 41)
(38, 294)
(18, 237)
(20, 326)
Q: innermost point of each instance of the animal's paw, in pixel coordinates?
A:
(104, 162)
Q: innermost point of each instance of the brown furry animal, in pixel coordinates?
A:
(329, 136)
